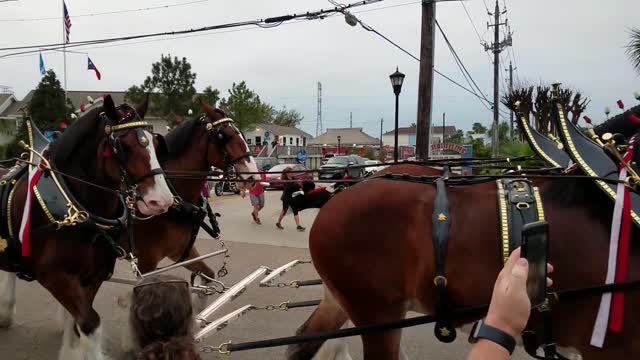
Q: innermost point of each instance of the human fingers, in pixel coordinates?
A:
(508, 266)
(518, 276)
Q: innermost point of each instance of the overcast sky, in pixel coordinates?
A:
(580, 43)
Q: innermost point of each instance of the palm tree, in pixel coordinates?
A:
(633, 49)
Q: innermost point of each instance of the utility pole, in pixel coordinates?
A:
(425, 84)
(350, 120)
(443, 133)
(319, 115)
(511, 90)
(497, 48)
(381, 121)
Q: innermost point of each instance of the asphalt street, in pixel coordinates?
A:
(35, 335)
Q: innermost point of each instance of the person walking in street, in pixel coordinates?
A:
(287, 194)
(256, 195)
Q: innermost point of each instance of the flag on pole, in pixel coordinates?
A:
(67, 23)
(94, 68)
(42, 69)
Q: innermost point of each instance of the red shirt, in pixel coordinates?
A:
(257, 189)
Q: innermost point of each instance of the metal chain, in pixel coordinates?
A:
(284, 306)
(222, 349)
(292, 284)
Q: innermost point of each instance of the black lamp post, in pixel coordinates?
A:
(339, 137)
(396, 81)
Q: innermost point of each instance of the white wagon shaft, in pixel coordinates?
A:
(167, 268)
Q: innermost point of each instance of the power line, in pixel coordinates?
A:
(461, 65)
(386, 7)
(474, 27)
(269, 22)
(106, 12)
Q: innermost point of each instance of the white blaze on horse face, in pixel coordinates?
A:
(157, 199)
(246, 165)
(7, 298)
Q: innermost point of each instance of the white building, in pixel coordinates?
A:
(407, 135)
(262, 134)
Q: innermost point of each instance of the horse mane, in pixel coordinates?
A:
(179, 139)
(75, 136)
(623, 123)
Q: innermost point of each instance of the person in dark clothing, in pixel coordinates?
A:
(287, 195)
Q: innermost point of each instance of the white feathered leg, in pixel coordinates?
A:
(85, 347)
(7, 298)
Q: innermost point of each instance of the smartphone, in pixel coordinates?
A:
(535, 249)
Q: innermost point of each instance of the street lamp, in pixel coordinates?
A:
(339, 137)
(396, 81)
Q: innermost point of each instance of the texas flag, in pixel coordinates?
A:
(94, 68)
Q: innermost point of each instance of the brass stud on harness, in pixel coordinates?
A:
(442, 217)
(209, 126)
(107, 129)
(143, 140)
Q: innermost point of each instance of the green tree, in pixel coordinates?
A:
(413, 125)
(245, 106)
(503, 132)
(456, 138)
(478, 128)
(633, 49)
(48, 107)
(171, 87)
(210, 95)
(284, 117)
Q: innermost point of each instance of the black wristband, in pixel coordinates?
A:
(483, 331)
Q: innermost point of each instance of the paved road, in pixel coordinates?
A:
(35, 335)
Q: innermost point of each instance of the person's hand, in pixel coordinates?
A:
(510, 306)
(243, 193)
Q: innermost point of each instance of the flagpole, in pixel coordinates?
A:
(64, 52)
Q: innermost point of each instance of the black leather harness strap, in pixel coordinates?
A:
(519, 203)
(443, 329)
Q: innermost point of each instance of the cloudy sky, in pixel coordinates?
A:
(580, 43)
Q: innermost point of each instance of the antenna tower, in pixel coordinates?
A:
(319, 119)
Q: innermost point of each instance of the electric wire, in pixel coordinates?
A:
(106, 12)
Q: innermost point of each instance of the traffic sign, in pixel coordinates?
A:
(267, 135)
(302, 156)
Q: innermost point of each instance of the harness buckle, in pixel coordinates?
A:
(440, 281)
(522, 205)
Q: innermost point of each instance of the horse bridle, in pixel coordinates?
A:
(113, 141)
(216, 136)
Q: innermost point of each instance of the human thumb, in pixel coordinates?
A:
(519, 274)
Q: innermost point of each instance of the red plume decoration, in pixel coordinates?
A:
(620, 104)
(587, 119)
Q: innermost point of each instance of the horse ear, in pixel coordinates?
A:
(109, 108)
(211, 113)
(142, 108)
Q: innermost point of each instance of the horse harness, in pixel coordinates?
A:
(59, 205)
(196, 214)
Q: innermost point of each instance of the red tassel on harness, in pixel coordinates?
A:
(26, 242)
(106, 153)
(634, 119)
(314, 191)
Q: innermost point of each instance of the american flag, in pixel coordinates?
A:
(67, 23)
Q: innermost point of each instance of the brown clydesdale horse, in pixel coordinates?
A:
(397, 237)
(194, 146)
(72, 262)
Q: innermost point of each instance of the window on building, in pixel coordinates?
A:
(297, 141)
(248, 141)
(258, 140)
(304, 141)
(291, 141)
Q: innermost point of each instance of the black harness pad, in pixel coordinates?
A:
(9, 243)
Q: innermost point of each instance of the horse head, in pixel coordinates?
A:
(129, 150)
(227, 144)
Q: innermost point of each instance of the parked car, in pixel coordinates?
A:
(338, 166)
(326, 158)
(273, 176)
(266, 163)
(373, 166)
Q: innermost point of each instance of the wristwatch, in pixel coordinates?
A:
(481, 330)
